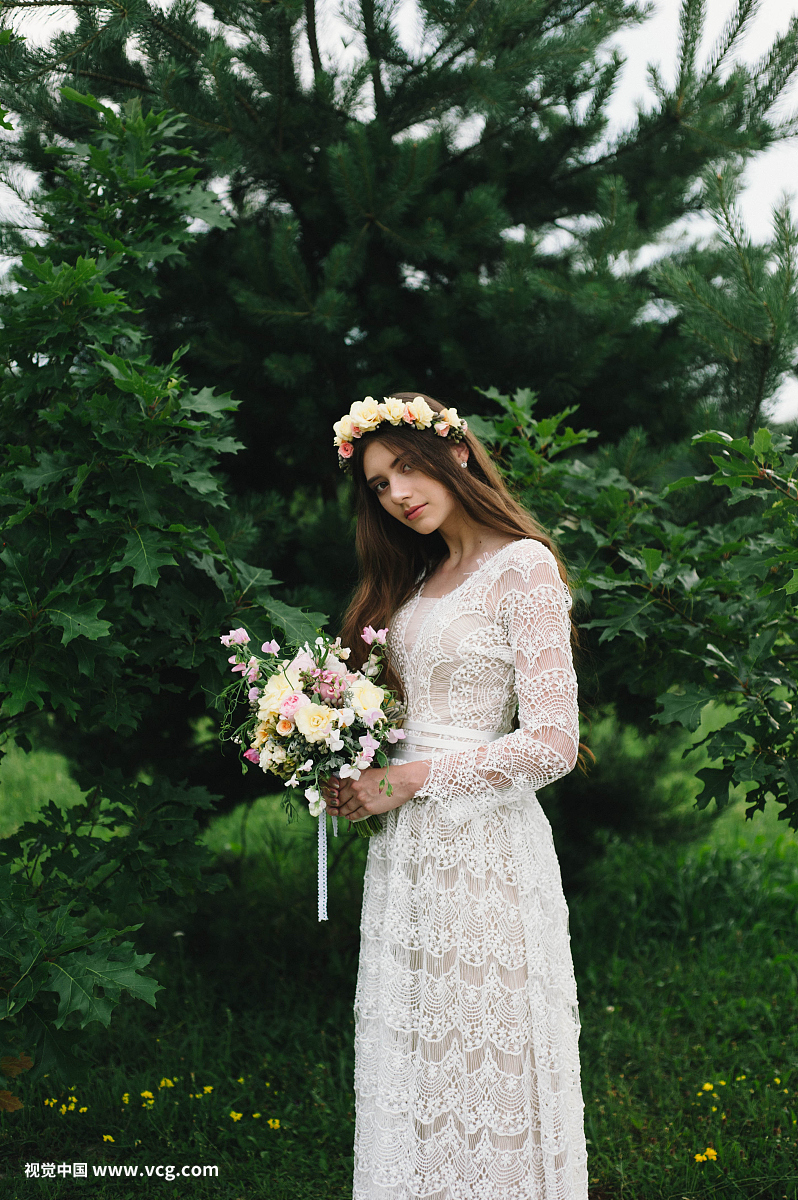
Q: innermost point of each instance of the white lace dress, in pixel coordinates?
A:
(466, 1042)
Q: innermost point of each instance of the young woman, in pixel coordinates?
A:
(467, 1065)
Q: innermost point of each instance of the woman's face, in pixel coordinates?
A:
(418, 501)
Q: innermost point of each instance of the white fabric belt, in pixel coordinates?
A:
(445, 737)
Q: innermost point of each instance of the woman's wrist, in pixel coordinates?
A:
(410, 778)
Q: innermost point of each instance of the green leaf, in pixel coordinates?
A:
(717, 782)
(686, 708)
(763, 442)
(77, 977)
(652, 558)
(79, 619)
(45, 471)
(298, 626)
(791, 585)
(26, 685)
(53, 1052)
(146, 554)
(205, 401)
(86, 98)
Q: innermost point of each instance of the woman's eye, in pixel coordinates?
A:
(379, 486)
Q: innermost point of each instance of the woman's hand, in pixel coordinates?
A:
(357, 799)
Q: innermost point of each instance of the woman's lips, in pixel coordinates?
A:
(413, 512)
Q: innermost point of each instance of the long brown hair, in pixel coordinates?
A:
(395, 560)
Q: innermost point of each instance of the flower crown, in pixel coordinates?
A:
(366, 415)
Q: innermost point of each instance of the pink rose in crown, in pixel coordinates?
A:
(346, 449)
(292, 703)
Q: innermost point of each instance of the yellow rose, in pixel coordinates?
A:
(365, 415)
(366, 696)
(315, 721)
(392, 410)
(421, 413)
(278, 687)
(343, 430)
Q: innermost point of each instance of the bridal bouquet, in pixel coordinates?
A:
(309, 716)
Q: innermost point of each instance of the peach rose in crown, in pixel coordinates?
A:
(346, 450)
(393, 410)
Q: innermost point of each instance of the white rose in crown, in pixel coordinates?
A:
(343, 430)
(277, 688)
(365, 415)
(366, 696)
(420, 412)
(315, 722)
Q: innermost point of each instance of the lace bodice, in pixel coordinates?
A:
(496, 645)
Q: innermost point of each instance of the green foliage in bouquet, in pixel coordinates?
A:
(689, 611)
(115, 581)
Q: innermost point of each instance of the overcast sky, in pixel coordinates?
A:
(767, 177)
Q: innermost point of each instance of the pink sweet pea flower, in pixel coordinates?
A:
(271, 647)
(369, 635)
(253, 693)
(372, 717)
(395, 735)
(369, 745)
(251, 756)
(236, 637)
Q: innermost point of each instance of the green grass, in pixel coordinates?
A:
(687, 964)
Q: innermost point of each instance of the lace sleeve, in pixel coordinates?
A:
(531, 604)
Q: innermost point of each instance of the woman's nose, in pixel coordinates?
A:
(400, 489)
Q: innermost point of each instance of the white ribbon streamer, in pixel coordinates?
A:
(323, 861)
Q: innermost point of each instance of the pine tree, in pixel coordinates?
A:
(377, 244)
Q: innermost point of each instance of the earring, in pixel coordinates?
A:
(464, 464)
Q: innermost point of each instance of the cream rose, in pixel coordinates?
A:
(365, 415)
(277, 689)
(420, 413)
(392, 410)
(343, 430)
(315, 722)
(365, 696)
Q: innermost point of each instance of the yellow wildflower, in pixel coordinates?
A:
(700, 1157)
(126, 1098)
(147, 1095)
(84, 1109)
(714, 1108)
(241, 1080)
(165, 1083)
(107, 1137)
(208, 1088)
(722, 1082)
(256, 1115)
(777, 1080)
(62, 1109)
(710, 1153)
(234, 1116)
(71, 1108)
(737, 1078)
(74, 1099)
(273, 1123)
(707, 1087)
